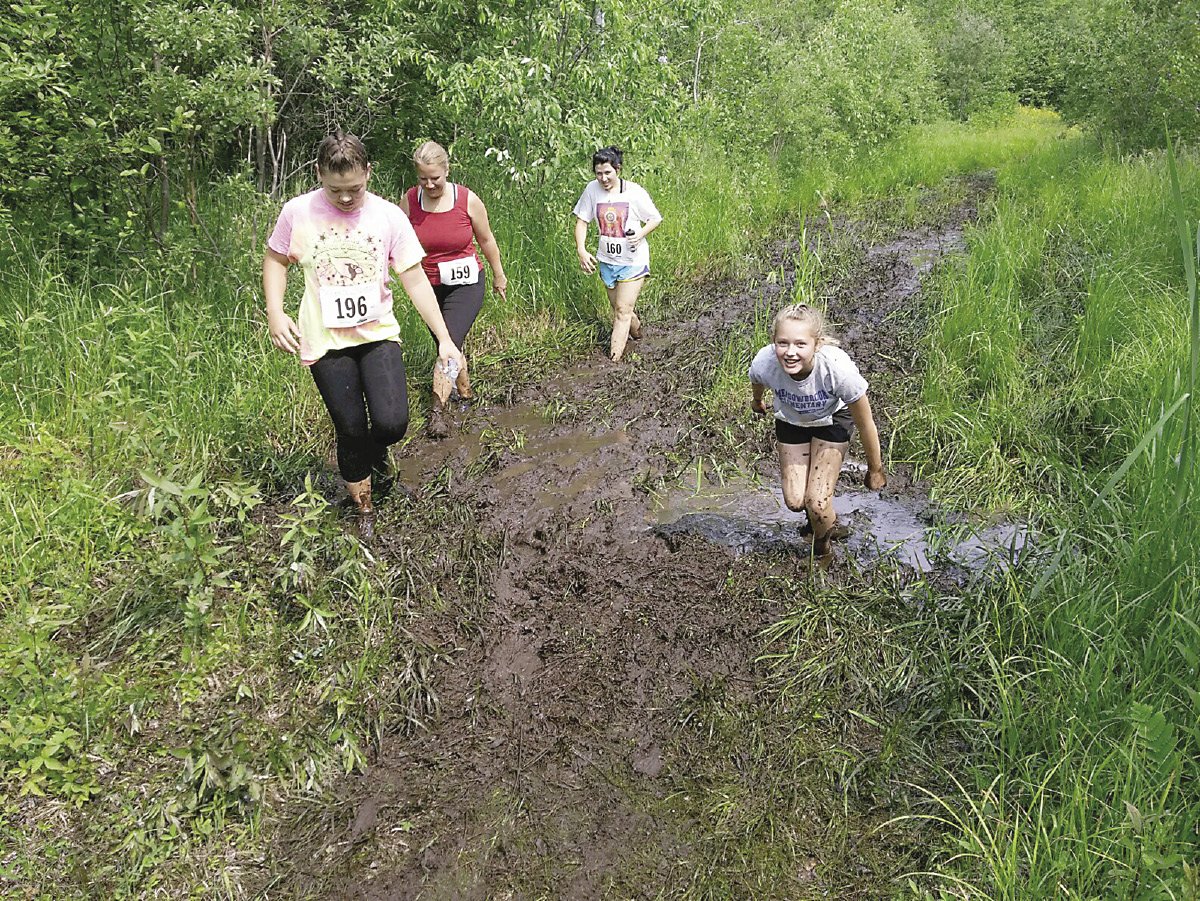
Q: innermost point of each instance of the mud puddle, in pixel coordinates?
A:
(751, 517)
(570, 713)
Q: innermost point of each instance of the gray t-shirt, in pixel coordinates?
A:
(833, 383)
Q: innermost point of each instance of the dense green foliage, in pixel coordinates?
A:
(172, 665)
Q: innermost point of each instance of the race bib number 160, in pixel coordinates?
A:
(613, 247)
(345, 306)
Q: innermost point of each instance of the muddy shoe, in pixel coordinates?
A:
(839, 532)
(438, 428)
(360, 494)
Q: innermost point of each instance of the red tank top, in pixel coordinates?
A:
(445, 236)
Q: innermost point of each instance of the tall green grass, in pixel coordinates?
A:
(1060, 381)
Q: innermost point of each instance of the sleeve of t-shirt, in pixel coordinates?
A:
(281, 237)
(848, 383)
(585, 207)
(405, 250)
(646, 210)
(759, 366)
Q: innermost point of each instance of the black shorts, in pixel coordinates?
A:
(837, 432)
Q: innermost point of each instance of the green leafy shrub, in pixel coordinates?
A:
(974, 65)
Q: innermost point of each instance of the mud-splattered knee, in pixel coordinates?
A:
(794, 505)
(818, 506)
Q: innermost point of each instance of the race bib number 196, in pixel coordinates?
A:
(345, 306)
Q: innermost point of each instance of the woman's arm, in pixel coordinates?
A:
(587, 262)
(403, 202)
(420, 292)
(860, 410)
(645, 230)
(284, 333)
(487, 242)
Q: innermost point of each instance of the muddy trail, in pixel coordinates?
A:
(608, 714)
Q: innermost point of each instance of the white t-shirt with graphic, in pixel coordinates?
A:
(833, 383)
(615, 212)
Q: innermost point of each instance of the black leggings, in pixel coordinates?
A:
(460, 304)
(357, 382)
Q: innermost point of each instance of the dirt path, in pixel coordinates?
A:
(557, 764)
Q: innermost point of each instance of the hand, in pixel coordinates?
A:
(876, 479)
(500, 288)
(447, 351)
(635, 239)
(758, 406)
(284, 333)
(587, 262)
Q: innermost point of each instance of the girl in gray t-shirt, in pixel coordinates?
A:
(819, 397)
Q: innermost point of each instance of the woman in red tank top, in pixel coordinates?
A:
(448, 220)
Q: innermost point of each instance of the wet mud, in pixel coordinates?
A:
(617, 590)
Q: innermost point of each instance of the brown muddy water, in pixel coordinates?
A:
(624, 597)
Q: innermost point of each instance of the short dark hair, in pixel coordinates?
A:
(611, 155)
(341, 153)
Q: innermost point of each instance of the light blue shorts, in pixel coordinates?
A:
(610, 274)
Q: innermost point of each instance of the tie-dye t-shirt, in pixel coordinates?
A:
(833, 383)
(334, 247)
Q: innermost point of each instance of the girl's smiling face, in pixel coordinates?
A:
(795, 347)
(346, 190)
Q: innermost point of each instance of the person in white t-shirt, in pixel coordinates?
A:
(625, 215)
(819, 396)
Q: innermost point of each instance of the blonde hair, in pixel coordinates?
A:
(810, 316)
(431, 153)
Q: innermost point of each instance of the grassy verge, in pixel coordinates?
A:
(1062, 354)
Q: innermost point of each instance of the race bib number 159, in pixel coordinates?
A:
(459, 272)
(345, 306)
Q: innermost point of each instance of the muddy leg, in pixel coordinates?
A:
(793, 470)
(441, 387)
(463, 383)
(622, 297)
(825, 463)
(360, 493)
(437, 427)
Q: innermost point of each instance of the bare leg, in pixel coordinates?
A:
(622, 297)
(793, 469)
(825, 463)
